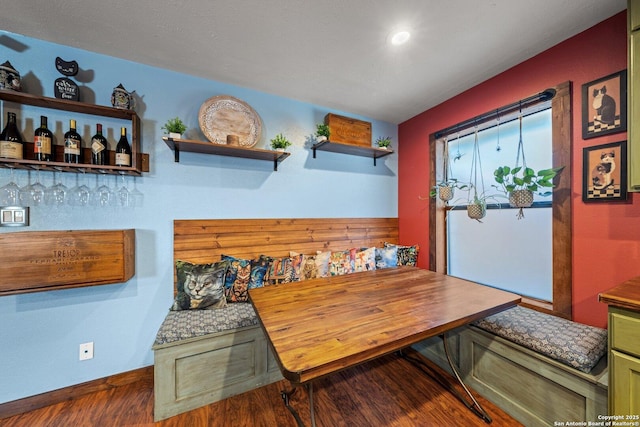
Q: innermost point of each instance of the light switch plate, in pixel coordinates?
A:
(14, 216)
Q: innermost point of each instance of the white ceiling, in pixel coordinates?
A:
(333, 53)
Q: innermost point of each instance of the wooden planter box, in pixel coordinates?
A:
(348, 131)
(46, 260)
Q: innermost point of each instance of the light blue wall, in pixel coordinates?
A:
(40, 332)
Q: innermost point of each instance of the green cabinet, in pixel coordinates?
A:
(633, 85)
(624, 361)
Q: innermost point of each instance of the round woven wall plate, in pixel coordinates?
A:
(224, 115)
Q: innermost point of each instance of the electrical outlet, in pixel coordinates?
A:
(86, 351)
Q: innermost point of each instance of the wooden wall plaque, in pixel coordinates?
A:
(35, 261)
(348, 131)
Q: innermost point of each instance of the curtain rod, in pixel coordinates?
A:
(543, 96)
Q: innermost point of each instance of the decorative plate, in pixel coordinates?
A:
(224, 115)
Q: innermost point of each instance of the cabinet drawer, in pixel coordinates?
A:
(624, 327)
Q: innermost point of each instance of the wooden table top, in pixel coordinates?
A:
(320, 326)
(625, 295)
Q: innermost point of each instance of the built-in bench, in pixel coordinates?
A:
(202, 356)
(537, 367)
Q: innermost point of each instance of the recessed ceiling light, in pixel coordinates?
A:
(400, 37)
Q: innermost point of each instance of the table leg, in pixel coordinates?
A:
(475, 406)
(286, 395)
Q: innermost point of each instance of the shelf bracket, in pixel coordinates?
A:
(314, 152)
(275, 165)
(176, 154)
(374, 160)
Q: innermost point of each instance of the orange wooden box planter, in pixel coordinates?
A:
(348, 131)
(35, 261)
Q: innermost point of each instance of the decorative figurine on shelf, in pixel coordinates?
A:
(64, 87)
(121, 98)
(9, 77)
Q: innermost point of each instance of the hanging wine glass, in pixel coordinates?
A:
(56, 194)
(123, 195)
(10, 193)
(103, 196)
(137, 198)
(80, 194)
(37, 191)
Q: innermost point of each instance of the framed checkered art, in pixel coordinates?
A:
(604, 176)
(604, 105)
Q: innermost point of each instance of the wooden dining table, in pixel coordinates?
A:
(320, 326)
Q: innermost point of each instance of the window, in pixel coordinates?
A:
(501, 235)
(560, 254)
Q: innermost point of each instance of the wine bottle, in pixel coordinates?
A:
(123, 149)
(42, 142)
(11, 144)
(99, 154)
(72, 144)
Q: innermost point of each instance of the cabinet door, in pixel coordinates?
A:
(634, 111)
(633, 9)
(624, 392)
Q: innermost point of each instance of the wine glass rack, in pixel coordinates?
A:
(139, 160)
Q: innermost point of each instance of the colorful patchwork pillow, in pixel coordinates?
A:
(341, 262)
(387, 257)
(364, 259)
(407, 255)
(284, 270)
(200, 286)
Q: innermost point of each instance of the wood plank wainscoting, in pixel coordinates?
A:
(389, 391)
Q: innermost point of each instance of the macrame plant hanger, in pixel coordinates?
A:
(521, 198)
(476, 205)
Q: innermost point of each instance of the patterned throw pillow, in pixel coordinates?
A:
(387, 257)
(200, 286)
(341, 262)
(259, 270)
(312, 266)
(284, 270)
(238, 277)
(365, 259)
(407, 255)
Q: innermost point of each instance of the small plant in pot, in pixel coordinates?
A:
(279, 142)
(174, 127)
(322, 132)
(445, 190)
(384, 142)
(521, 182)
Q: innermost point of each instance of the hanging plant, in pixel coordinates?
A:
(445, 188)
(477, 200)
(521, 182)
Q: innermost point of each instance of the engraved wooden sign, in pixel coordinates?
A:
(46, 260)
(348, 131)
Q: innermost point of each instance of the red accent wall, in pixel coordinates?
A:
(606, 236)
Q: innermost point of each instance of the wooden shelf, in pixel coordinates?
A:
(355, 150)
(139, 161)
(191, 146)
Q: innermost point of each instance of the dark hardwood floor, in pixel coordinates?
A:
(389, 391)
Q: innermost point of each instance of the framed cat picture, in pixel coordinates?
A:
(604, 105)
(605, 173)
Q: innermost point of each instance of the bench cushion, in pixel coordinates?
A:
(574, 344)
(180, 325)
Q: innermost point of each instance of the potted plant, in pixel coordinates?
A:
(279, 142)
(384, 142)
(322, 132)
(446, 189)
(174, 127)
(521, 182)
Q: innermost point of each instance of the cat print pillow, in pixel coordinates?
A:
(200, 286)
